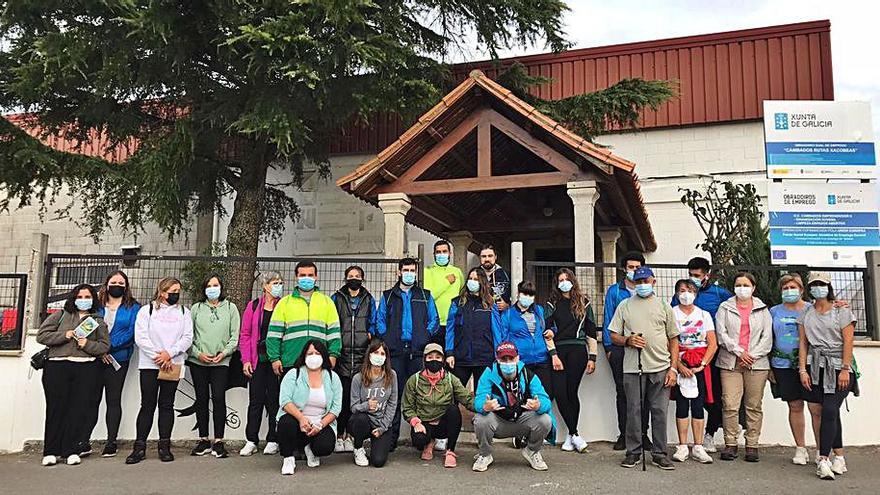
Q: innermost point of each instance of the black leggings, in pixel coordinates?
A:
(567, 383)
(448, 427)
(360, 426)
(464, 373)
(69, 388)
(345, 414)
(263, 391)
(291, 439)
(694, 407)
(109, 384)
(155, 392)
(213, 378)
(830, 429)
(713, 410)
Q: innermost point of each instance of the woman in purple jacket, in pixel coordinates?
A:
(264, 382)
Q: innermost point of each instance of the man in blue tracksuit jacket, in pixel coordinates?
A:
(614, 295)
(523, 324)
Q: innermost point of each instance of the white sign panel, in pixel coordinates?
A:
(822, 224)
(819, 140)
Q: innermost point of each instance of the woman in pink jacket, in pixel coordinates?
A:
(264, 384)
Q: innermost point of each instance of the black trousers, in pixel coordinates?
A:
(464, 373)
(155, 392)
(449, 426)
(263, 391)
(109, 385)
(713, 410)
(209, 383)
(405, 365)
(69, 389)
(291, 439)
(361, 428)
(545, 374)
(567, 383)
(830, 429)
(344, 415)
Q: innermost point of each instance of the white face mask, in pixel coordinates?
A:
(314, 361)
(377, 359)
(686, 298)
(743, 292)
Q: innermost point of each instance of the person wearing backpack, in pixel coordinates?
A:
(264, 382)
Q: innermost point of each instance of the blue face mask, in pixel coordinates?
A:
(791, 296)
(83, 304)
(408, 278)
(644, 290)
(305, 283)
(507, 368)
(526, 301)
(277, 290)
(212, 293)
(819, 291)
(473, 285)
(630, 275)
(697, 281)
(442, 259)
(565, 285)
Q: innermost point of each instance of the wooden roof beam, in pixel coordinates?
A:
(480, 184)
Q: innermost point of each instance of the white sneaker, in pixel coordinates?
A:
(348, 444)
(49, 460)
(271, 448)
(700, 455)
(288, 466)
(567, 445)
(73, 460)
(340, 446)
(579, 443)
(838, 465)
(536, 460)
(824, 470)
(709, 444)
(681, 453)
(440, 444)
(481, 463)
(817, 457)
(360, 457)
(311, 459)
(248, 449)
(801, 457)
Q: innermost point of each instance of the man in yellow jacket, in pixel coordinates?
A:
(445, 281)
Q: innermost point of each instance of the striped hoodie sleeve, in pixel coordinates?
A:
(334, 334)
(276, 331)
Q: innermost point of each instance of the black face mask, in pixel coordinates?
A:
(433, 366)
(354, 284)
(173, 298)
(116, 290)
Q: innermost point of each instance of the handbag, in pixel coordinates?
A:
(38, 360)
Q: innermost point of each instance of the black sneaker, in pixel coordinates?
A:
(165, 454)
(631, 461)
(520, 443)
(219, 450)
(85, 449)
(138, 454)
(202, 448)
(729, 453)
(620, 444)
(662, 462)
(110, 450)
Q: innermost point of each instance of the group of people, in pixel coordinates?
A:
(339, 372)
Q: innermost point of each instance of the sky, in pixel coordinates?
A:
(854, 30)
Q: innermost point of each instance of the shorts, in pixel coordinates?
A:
(788, 385)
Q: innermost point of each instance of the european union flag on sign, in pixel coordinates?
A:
(832, 199)
(781, 121)
(779, 254)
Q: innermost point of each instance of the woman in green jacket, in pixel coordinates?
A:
(430, 406)
(216, 324)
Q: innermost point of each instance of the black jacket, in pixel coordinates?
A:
(356, 328)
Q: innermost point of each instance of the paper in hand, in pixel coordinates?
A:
(85, 328)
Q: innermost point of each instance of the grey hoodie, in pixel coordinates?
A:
(361, 393)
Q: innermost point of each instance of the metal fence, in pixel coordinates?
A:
(64, 271)
(13, 295)
(850, 284)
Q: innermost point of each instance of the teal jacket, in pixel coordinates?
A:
(491, 385)
(295, 390)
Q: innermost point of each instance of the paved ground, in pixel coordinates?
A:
(594, 472)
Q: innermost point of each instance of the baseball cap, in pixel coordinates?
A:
(643, 272)
(819, 277)
(506, 349)
(433, 348)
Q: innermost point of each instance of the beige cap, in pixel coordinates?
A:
(819, 277)
(433, 348)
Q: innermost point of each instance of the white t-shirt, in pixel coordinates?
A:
(316, 405)
(693, 327)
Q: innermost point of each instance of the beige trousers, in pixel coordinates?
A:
(737, 385)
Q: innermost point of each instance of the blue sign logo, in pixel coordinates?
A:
(832, 199)
(779, 254)
(781, 121)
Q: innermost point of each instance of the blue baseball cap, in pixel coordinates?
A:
(643, 272)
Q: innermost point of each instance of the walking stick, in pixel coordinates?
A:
(641, 410)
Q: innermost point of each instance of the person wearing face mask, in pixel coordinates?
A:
(163, 333)
(826, 368)
(356, 308)
(573, 327)
(310, 401)
(697, 346)
(305, 314)
(744, 328)
(445, 282)
(524, 324)
(430, 406)
(614, 295)
(119, 310)
(645, 326)
(374, 399)
(471, 332)
(263, 384)
(71, 374)
(216, 327)
(499, 279)
(406, 320)
(710, 295)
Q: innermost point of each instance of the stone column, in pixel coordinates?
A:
(394, 207)
(460, 241)
(609, 238)
(584, 195)
(517, 263)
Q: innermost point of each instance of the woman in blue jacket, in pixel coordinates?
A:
(119, 310)
(523, 324)
(471, 332)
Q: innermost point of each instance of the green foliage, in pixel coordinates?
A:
(194, 273)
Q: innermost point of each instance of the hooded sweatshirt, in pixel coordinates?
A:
(166, 328)
(361, 393)
(215, 330)
(428, 403)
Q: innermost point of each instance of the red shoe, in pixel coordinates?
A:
(428, 451)
(450, 460)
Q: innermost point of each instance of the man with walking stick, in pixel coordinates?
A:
(645, 326)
